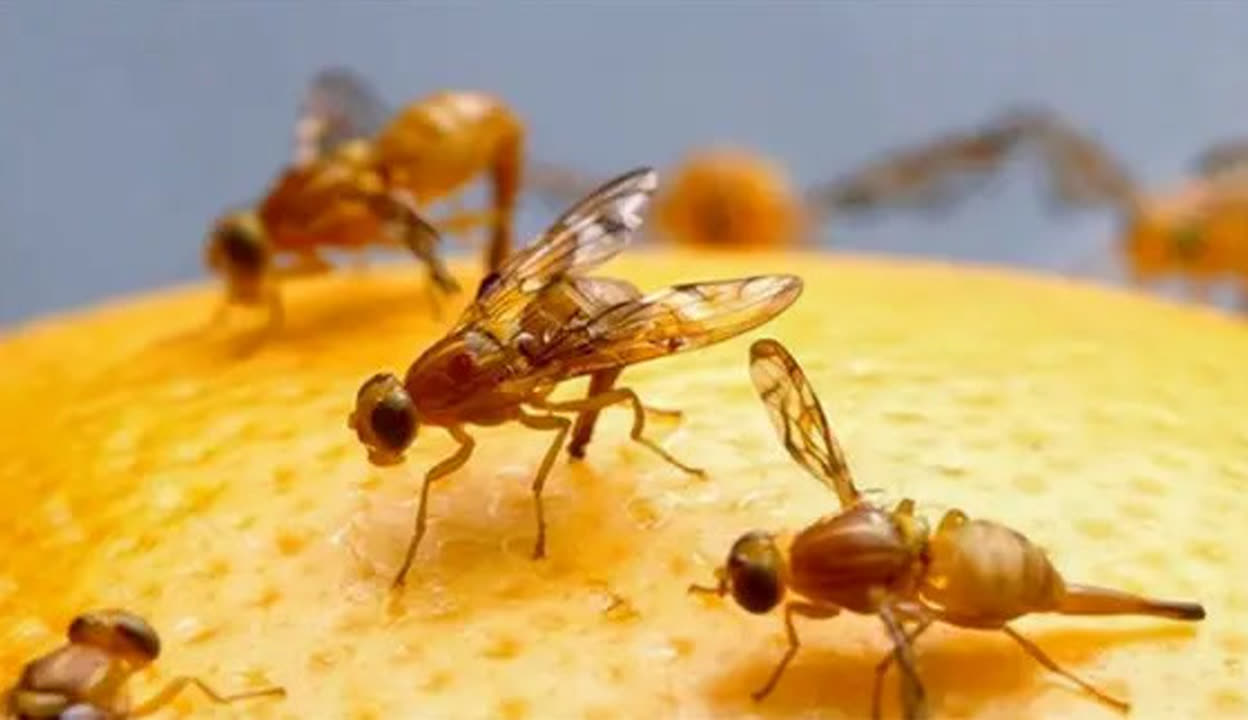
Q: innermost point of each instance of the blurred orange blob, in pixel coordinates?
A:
(727, 197)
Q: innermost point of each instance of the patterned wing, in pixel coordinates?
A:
(932, 176)
(591, 232)
(798, 418)
(669, 321)
(1222, 159)
(556, 185)
(1082, 172)
(338, 105)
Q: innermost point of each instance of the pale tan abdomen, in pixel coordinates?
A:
(983, 574)
(441, 143)
(79, 674)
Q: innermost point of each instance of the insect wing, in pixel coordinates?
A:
(930, 176)
(588, 234)
(557, 185)
(672, 320)
(1223, 158)
(1082, 172)
(338, 105)
(795, 412)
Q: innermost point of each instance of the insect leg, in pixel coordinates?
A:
(1035, 652)
(807, 610)
(618, 395)
(176, 686)
(442, 469)
(560, 425)
(505, 173)
(599, 383)
(912, 690)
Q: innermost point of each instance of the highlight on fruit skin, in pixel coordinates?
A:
(248, 525)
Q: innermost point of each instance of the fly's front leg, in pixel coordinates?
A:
(560, 425)
(442, 469)
(618, 395)
(806, 610)
(175, 686)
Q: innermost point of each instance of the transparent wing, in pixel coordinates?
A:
(1223, 158)
(669, 321)
(1082, 173)
(557, 186)
(930, 176)
(338, 105)
(588, 234)
(798, 418)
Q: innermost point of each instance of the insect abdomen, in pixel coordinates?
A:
(985, 574)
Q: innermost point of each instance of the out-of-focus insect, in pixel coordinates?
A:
(361, 176)
(724, 197)
(85, 679)
(1197, 230)
(539, 321)
(970, 573)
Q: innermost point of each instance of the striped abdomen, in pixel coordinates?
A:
(983, 574)
(847, 559)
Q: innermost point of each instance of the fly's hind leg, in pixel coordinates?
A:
(442, 469)
(806, 610)
(560, 425)
(1039, 656)
(618, 395)
(175, 686)
(601, 382)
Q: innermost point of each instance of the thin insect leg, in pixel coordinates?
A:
(175, 686)
(612, 397)
(460, 222)
(442, 469)
(599, 383)
(560, 425)
(807, 610)
(913, 696)
(881, 668)
(505, 177)
(586, 420)
(1035, 652)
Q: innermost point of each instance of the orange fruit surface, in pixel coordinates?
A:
(215, 489)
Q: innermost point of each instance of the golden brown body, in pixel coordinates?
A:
(538, 322)
(969, 573)
(86, 678)
(356, 186)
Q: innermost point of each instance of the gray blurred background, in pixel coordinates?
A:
(125, 127)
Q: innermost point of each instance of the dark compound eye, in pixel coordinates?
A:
(754, 573)
(393, 422)
(116, 631)
(241, 247)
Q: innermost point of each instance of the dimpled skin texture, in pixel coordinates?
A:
(222, 496)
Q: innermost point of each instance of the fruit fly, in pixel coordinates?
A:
(866, 559)
(1194, 230)
(538, 321)
(360, 177)
(725, 197)
(85, 679)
